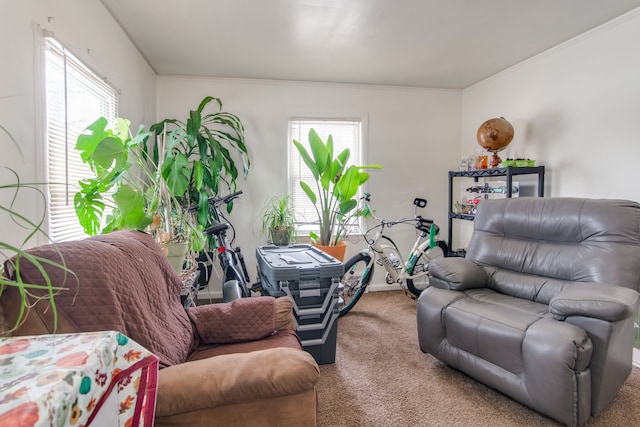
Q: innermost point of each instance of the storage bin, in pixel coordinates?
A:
(323, 350)
(312, 279)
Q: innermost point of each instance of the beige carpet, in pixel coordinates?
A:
(381, 378)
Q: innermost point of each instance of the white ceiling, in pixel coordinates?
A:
(422, 43)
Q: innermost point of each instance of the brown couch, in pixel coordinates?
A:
(230, 364)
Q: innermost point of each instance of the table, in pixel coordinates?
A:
(82, 379)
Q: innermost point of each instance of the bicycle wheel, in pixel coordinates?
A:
(419, 284)
(357, 276)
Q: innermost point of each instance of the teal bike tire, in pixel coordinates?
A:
(356, 278)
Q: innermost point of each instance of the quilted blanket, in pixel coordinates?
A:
(122, 282)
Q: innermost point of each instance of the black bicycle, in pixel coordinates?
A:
(235, 276)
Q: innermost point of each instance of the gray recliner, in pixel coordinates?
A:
(542, 307)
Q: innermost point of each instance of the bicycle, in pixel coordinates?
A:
(411, 274)
(235, 275)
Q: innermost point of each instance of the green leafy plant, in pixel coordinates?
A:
(336, 187)
(278, 221)
(126, 180)
(110, 153)
(197, 157)
(13, 255)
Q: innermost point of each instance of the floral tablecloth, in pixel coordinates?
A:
(75, 380)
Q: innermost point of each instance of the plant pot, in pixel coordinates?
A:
(335, 251)
(280, 236)
(176, 252)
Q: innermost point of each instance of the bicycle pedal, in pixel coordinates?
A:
(410, 295)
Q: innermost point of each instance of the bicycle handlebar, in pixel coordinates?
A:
(422, 223)
(224, 199)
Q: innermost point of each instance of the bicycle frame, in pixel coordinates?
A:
(235, 276)
(378, 253)
(405, 272)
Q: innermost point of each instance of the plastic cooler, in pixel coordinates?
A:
(311, 278)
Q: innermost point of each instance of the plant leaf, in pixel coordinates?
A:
(177, 173)
(89, 209)
(313, 168)
(131, 205)
(320, 151)
(309, 192)
(198, 174)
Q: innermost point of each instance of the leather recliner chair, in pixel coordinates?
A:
(542, 307)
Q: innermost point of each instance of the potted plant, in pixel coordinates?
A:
(278, 221)
(198, 157)
(335, 189)
(137, 196)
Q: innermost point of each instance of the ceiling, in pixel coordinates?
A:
(420, 43)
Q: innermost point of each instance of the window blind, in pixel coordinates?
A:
(75, 97)
(346, 133)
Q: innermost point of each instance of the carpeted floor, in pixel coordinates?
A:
(381, 378)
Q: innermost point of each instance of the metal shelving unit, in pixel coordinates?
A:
(509, 172)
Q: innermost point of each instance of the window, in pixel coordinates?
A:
(346, 133)
(75, 97)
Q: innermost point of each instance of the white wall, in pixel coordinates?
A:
(575, 109)
(87, 29)
(413, 133)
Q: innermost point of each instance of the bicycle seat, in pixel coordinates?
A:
(421, 203)
(217, 228)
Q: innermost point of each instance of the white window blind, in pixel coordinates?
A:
(75, 98)
(346, 133)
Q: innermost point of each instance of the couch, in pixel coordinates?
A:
(542, 307)
(231, 364)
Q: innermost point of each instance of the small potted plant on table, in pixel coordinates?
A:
(278, 221)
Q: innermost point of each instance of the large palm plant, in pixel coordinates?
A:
(336, 187)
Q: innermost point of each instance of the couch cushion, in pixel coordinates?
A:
(243, 319)
(124, 283)
(566, 239)
(492, 326)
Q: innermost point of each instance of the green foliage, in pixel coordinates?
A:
(336, 187)
(13, 255)
(197, 158)
(183, 166)
(278, 220)
(110, 153)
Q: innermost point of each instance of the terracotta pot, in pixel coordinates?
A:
(335, 251)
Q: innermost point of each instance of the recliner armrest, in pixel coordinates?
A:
(244, 319)
(234, 378)
(456, 274)
(596, 300)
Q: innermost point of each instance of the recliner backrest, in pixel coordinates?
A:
(534, 247)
